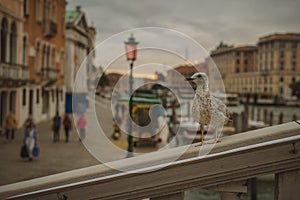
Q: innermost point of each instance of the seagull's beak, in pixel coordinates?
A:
(189, 79)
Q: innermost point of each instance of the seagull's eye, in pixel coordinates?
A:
(199, 76)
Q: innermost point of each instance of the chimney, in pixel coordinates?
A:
(78, 8)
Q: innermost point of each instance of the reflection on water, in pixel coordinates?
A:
(288, 112)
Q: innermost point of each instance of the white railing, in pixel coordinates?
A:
(234, 160)
(14, 71)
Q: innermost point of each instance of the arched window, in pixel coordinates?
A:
(4, 33)
(39, 10)
(38, 57)
(53, 58)
(44, 56)
(24, 50)
(48, 57)
(13, 43)
(62, 62)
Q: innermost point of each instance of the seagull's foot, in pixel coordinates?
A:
(212, 141)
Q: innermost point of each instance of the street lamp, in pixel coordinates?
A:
(131, 53)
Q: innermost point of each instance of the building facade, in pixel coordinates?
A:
(175, 77)
(279, 63)
(237, 66)
(259, 72)
(44, 45)
(14, 73)
(80, 40)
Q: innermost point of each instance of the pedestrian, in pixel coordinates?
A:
(56, 127)
(30, 140)
(29, 122)
(81, 125)
(10, 126)
(67, 126)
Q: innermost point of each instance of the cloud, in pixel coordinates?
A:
(207, 21)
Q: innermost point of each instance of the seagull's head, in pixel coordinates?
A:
(199, 78)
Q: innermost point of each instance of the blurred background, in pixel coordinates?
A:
(254, 44)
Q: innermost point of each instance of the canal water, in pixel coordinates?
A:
(287, 112)
(265, 191)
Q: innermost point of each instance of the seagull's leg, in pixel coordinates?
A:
(202, 136)
(217, 139)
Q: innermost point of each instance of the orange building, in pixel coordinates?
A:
(44, 44)
(13, 70)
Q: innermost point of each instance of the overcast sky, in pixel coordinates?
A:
(207, 21)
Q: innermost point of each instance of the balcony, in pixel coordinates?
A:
(49, 74)
(264, 72)
(50, 28)
(14, 72)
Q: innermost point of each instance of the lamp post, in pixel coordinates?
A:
(131, 53)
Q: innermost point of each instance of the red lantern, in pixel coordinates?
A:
(131, 48)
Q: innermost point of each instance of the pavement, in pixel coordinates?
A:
(60, 157)
(53, 158)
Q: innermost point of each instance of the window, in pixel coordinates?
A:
(13, 43)
(281, 54)
(271, 80)
(281, 45)
(294, 66)
(24, 97)
(293, 79)
(25, 8)
(294, 45)
(52, 93)
(37, 96)
(48, 57)
(281, 79)
(237, 70)
(44, 54)
(237, 61)
(62, 63)
(271, 65)
(24, 50)
(39, 11)
(54, 13)
(53, 58)
(61, 95)
(4, 33)
(281, 90)
(38, 57)
(281, 65)
(294, 54)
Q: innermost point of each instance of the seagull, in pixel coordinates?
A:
(207, 109)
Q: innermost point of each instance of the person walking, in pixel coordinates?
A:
(81, 125)
(30, 140)
(67, 126)
(56, 127)
(10, 126)
(29, 122)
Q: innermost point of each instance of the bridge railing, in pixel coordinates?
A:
(228, 166)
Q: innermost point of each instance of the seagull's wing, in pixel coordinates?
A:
(220, 107)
